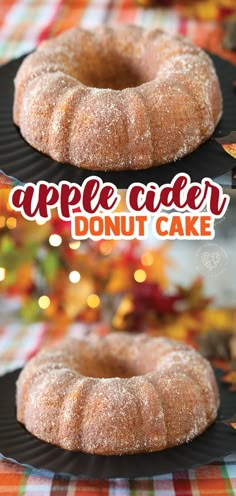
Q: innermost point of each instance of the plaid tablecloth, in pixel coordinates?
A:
(17, 343)
(24, 23)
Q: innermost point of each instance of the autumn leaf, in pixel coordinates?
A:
(230, 378)
(230, 149)
(231, 421)
(228, 143)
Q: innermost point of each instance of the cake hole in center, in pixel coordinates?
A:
(108, 369)
(118, 81)
(117, 75)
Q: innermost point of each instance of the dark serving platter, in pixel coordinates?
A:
(18, 445)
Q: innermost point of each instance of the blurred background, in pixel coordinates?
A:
(210, 24)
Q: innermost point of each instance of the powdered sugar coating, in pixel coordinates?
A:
(118, 394)
(117, 98)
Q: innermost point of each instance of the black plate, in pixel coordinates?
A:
(17, 445)
(20, 160)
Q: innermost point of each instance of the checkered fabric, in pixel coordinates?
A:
(24, 23)
(18, 343)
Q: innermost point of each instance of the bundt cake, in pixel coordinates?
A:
(117, 98)
(118, 394)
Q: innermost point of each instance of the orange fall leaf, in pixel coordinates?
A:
(230, 377)
(228, 143)
(230, 149)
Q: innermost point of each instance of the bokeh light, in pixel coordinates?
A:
(55, 240)
(147, 258)
(2, 273)
(74, 276)
(93, 301)
(11, 223)
(105, 247)
(74, 245)
(44, 302)
(41, 221)
(140, 275)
